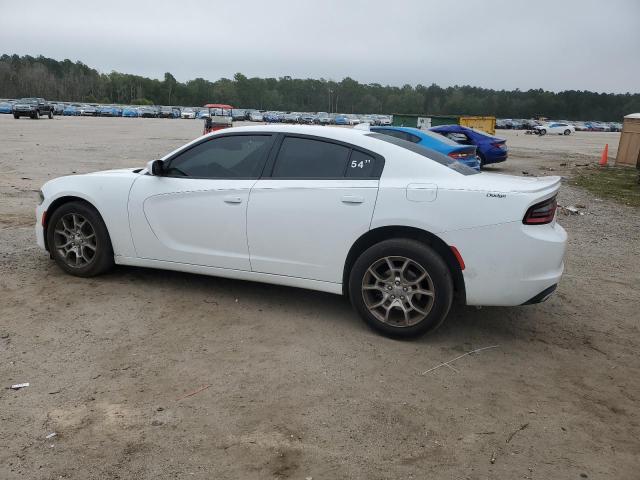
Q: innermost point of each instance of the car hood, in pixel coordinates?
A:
(117, 171)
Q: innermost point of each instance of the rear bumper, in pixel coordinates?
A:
(510, 264)
(495, 158)
(542, 296)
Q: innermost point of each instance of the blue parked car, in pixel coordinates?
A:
(465, 154)
(204, 113)
(129, 112)
(489, 149)
(70, 111)
(341, 120)
(6, 107)
(109, 111)
(271, 117)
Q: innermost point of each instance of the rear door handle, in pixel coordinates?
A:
(232, 199)
(352, 199)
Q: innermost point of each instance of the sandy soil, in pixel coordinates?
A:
(297, 386)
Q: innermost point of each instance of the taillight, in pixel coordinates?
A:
(459, 155)
(498, 144)
(541, 213)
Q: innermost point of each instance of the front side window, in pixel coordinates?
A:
(307, 158)
(238, 156)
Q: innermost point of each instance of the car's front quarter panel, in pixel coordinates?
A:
(108, 192)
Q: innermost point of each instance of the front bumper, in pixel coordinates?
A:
(509, 264)
(40, 210)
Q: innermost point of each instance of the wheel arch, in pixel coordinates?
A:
(60, 201)
(380, 234)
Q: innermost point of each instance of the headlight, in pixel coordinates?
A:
(40, 197)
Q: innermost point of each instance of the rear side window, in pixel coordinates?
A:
(361, 165)
(307, 158)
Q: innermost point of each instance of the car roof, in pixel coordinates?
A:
(336, 133)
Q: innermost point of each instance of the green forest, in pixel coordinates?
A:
(22, 76)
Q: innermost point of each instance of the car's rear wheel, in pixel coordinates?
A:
(401, 288)
(481, 158)
(542, 131)
(567, 132)
(78, 240)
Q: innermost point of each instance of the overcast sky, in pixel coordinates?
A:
(551, 44)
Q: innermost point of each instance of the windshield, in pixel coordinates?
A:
(28, 100)
(427, 153)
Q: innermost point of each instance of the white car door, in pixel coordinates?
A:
(316, 198)
(554, 128)
(195, 213)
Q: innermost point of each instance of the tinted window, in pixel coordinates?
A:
(426, 152)
(361, 165)
(459, 138)
(240, 156)
(306, 158)
(392, 133)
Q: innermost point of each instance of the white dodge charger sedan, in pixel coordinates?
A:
(401, 230)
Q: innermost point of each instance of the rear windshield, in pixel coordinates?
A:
(427, 153)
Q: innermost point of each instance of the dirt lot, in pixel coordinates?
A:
(298, 387)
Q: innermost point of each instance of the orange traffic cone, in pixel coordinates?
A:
(605, 154)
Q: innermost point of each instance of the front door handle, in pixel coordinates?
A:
(232, 199)
(352, 199)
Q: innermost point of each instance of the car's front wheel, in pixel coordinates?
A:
(567, 132)
(542, 131)
(79, 241)
(50, 114)
(401, 287)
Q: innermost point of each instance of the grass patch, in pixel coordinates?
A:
(618, 183)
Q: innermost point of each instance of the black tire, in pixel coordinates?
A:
(36, 116)
(102, 259)
(481, 158)
(16, 116)
(542, 131)
(422, 256)
(50, 114)
(567, 132)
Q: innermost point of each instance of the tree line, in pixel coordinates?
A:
(22, 76)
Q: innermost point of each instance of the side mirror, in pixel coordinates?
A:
(156, 168)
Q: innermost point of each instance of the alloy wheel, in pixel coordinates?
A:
(75, 240)
(398, 291)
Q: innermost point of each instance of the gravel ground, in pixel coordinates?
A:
(296, 385)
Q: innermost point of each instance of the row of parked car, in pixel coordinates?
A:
(470, 147)
(530, 124)
(95, 110)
